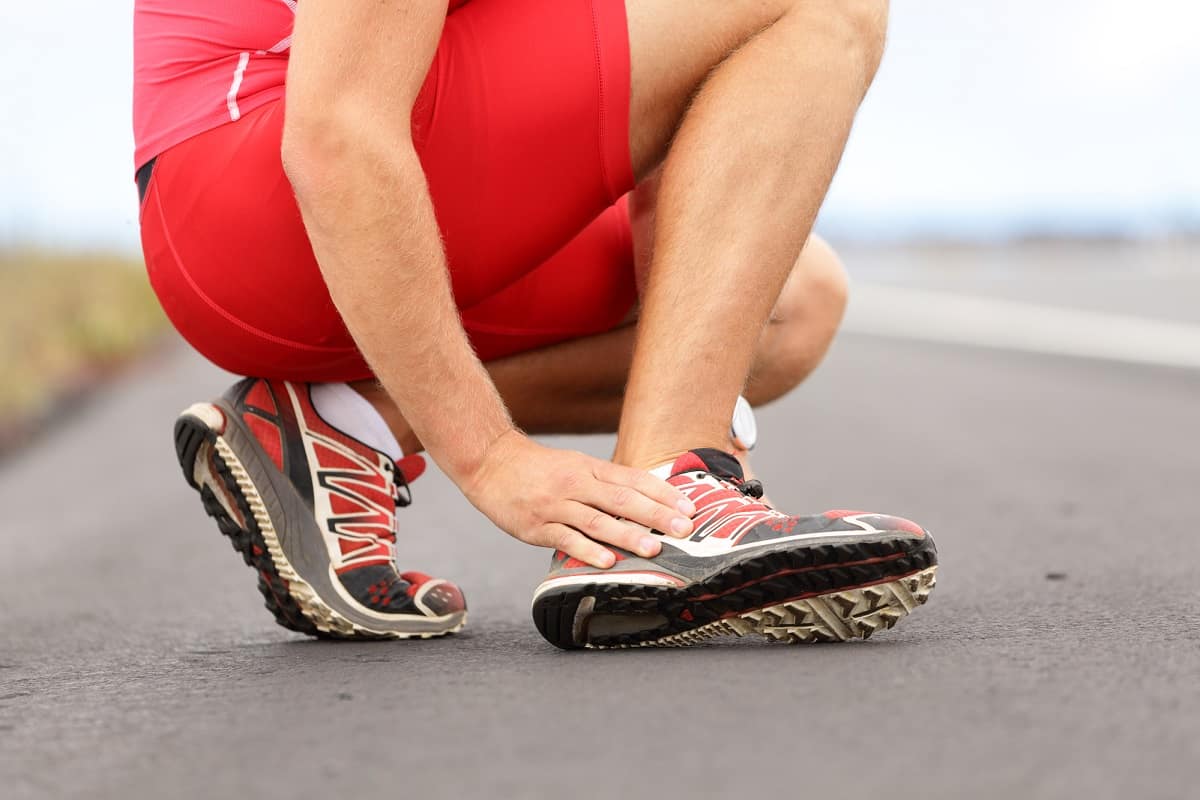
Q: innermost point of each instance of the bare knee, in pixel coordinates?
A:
(675, 46)
(868, 19)
(818, 287)
(857, 28)
(803, 323)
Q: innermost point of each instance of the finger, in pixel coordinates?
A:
(678, 507)
(576, 545)
(655, 488)
(602, 527)
(629, 504)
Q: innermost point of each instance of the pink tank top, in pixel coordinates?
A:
(198, 64)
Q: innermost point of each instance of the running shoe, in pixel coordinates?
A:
(746, 568)
(313, 511)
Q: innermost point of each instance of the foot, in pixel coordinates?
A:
(747, 569)
(313, 511)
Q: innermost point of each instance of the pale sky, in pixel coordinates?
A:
(989, 118)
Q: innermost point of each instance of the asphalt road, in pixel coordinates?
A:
(1059, 656)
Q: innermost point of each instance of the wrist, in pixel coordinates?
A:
(473, 474)
(466, 461)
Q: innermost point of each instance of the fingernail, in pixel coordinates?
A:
(607, 560)
(680, 526)
(686, 506)
(649, 546)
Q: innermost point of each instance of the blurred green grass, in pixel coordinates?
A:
(66, 320)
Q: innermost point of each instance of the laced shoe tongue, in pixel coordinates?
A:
(405, 471)
(706, 459)
(411, 467)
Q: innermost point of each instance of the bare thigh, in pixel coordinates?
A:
(673, 45)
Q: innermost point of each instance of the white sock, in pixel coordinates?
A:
(349, 412)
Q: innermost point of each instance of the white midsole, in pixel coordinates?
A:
(640, 578)
(712, 546)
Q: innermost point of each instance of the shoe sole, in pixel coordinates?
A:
(818, 594)
(212, 467)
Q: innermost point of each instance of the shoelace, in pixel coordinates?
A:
(402, 494)
(750, 488)
(403, 490)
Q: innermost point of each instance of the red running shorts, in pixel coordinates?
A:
(522, 127)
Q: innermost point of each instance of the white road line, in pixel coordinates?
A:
(1010, 325)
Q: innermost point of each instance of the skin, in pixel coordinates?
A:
(578, 386)
(794, 87)
(791, 72)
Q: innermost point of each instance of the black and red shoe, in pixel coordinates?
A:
(313, 511)
(747, 568)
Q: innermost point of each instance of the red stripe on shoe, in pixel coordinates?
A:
(260, 397)
(268, 435)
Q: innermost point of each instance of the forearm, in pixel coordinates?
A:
(371, 222)
(356, 70)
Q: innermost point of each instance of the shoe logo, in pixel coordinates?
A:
(361, 502)
(725, 513)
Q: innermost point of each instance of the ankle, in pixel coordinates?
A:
(654, 458)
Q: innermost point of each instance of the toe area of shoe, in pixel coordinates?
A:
(870, 521)
(436, 597)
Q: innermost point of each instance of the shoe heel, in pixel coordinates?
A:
(198, 424)
(562, 618)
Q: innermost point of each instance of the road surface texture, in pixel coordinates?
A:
(1058, 657)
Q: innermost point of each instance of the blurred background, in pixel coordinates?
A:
(989, 122)
(1019, 209)
(1059, 135)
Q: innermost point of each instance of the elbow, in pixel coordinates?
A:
(313, 147)
(324, 145)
